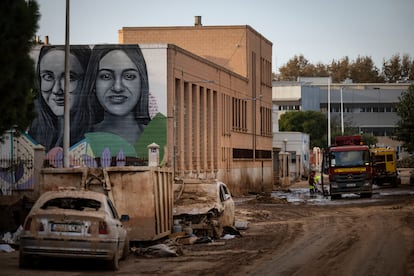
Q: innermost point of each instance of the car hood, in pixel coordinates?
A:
(198, 199)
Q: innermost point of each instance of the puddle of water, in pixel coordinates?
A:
(302, 195)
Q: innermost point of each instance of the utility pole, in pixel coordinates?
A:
(66, 131)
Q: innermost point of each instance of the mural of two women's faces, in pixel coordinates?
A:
(108, 93)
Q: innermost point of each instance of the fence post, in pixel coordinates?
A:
(38, 159)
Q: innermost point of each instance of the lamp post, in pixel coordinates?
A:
(345, 82)
(329, 111)
(66, 132)
(342, 113)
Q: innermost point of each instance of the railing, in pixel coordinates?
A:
(16, 174)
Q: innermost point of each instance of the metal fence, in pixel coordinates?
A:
(16, 174)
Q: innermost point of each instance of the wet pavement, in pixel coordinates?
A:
(301, 195)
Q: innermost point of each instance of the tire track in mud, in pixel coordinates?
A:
(352, 241)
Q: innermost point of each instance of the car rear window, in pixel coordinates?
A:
(72, 203)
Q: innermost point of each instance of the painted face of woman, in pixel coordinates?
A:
(52, 80)
(118, 83)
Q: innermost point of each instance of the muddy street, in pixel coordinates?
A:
(286, 235)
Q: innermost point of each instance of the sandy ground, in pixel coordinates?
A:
(351, 237)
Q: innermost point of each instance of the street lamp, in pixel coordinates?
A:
(342, 113)
(329, 111)
(66, 133)
(345, 82)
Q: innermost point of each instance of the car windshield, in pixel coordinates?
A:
(349, 158)
(72, 203)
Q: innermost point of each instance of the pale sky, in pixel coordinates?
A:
(320, 30)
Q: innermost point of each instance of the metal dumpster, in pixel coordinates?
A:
(145, 194)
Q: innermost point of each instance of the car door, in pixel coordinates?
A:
(227, 218)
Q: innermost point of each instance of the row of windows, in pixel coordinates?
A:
(337, 108)
(197, 111)
(239, 117)
(239, 108)
(248, 154)
(266, 72)
(377, 131)
(265, 121)
(363, 109)
(289, 107)
(195, 127)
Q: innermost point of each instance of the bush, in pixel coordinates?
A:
(406, 162)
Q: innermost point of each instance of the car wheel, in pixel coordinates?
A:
(125, 251)
(25, 261)
(114, 264)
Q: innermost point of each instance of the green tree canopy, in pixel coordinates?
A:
(311, 122)
(405, 126)
(18, 26)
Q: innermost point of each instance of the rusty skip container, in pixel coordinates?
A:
(145, 194)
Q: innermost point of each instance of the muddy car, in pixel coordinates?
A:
(204, 208)
(73, 224)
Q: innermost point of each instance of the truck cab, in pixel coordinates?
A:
(349, 167)
(385, 166)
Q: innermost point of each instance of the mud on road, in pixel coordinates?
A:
(350, 237)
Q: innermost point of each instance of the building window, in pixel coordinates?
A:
(227, 121)
(239, 113)
(265, 121)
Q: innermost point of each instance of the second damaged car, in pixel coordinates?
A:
(207, 209)
(73, 224)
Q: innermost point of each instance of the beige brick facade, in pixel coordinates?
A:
(219, 102)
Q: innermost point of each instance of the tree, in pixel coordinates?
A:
(363, 70)
(405, 126)
(18, 25)
(411, 71)
(406, 65)
(369, 139)
(392, 69)
(294, 68)
(340, 70)
(312, 122)
(398, 68)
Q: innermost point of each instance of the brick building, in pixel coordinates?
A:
(219, 101)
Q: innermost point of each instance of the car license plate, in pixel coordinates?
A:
(351, 185)
(63, 227)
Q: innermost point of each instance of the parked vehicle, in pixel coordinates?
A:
(73, 224)
(384, 166)
(349, 167)
(206, 208)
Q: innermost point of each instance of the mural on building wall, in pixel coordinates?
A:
(117, 97)
(112, 106)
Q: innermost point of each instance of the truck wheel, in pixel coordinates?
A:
(336, 196)
(25, 261)
(395, 182)
(366, 195)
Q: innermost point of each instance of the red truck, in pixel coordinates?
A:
(349, 167)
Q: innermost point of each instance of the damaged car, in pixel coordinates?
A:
(207, 209)
(73, 224)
